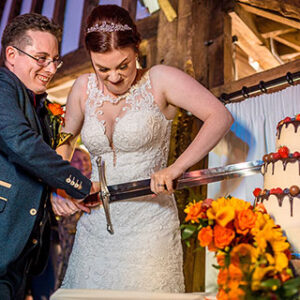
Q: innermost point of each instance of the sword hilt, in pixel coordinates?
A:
(104, 193)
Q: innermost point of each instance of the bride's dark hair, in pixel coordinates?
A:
(104, 41)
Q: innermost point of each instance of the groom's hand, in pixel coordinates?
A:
(62, 205)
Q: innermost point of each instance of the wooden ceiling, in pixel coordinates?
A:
(267, 33)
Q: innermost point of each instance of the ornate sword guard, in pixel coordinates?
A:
(104, 193)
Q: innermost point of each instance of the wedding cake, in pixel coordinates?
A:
(281, 171)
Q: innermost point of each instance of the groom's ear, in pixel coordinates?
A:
(10, 56)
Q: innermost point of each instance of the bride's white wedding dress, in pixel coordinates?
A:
(145, 251)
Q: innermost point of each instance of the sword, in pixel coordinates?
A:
(139, 188)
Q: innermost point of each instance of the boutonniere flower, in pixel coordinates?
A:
(56, 114)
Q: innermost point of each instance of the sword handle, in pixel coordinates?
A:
(104, 193)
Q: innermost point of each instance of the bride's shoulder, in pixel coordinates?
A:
(159, 72)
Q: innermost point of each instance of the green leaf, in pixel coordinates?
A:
(188, 231)
(270, 283)
(292, 283)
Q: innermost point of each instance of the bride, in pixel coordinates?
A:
(124, 116)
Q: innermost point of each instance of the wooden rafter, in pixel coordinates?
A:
(270, 29)
(286, 8)
(290, 40)
(254, 79)
(272, 16)
(249, 39)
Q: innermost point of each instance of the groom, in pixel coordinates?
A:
(28, 165)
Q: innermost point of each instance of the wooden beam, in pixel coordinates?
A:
(290, 56)
(272, 16)
(148, 27)
(286, 8)
(14, 9)
(270, 29)
(59, 12)
(89, 5)
(250, 41)
(36, 6)
(234, 86)
(275, 33)
(2, 5)
(290, 39)
(130, 6)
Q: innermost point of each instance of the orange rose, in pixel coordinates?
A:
(235, 273)
(223, 276)
(236, 294)
(244, 221)
(205, 236)
(221, 260)
(223, 236)
(193, 211)
(222, 295)
(55, 109)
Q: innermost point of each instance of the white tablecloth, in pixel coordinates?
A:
(70, 294)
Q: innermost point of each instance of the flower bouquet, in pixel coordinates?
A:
(252, 253)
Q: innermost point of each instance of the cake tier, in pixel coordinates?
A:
(280, 208)
(288, 134)
(281, 173)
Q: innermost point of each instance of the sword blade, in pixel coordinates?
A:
(189, 179)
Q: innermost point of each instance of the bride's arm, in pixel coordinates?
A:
(174, 88)
(74, 117)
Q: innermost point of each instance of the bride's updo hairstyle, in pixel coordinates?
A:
(110, 27)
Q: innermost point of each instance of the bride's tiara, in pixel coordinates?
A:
(104, 27)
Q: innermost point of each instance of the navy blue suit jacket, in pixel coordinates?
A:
(28, 166)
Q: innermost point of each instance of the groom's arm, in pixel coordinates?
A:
(24, 147)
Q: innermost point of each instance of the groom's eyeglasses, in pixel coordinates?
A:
(42, 61)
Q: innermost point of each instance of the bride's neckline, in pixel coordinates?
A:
(139, 78)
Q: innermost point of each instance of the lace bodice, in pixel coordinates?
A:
(127, 158)
(145, 251)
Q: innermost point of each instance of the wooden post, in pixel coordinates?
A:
(89, 5)
(130, 6)
(197, 42)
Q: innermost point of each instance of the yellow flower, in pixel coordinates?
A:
(281, 261)
(273, 236)
(258, 275)
(223, 209)
(261, 221)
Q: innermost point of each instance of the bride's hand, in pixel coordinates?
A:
(162, 181)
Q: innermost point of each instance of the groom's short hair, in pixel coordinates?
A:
(15, 31)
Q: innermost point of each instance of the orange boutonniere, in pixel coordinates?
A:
(56, 114)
